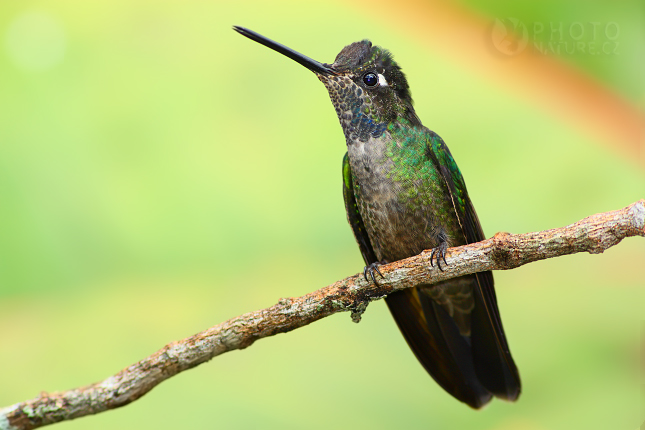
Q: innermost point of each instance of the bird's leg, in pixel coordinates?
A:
(357, 311)
(440, 250)
(373, 268)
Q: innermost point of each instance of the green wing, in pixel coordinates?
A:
(492, 359)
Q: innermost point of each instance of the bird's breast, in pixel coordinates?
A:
(401, 197)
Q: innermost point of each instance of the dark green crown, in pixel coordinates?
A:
(360, 57)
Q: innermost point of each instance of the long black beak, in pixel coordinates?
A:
(313, 65)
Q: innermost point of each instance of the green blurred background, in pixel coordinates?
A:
(159, 174)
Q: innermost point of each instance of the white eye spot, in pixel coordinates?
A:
(381, 80)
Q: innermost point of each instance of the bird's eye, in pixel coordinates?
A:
(370, 79)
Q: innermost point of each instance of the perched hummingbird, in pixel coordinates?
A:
(404, 194)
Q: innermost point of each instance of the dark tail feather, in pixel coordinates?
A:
(472, 369)
(435, 340)
(493, 362)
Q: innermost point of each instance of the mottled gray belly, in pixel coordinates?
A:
(395, 230)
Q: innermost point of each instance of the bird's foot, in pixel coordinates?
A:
(440, 253)
(373, 268)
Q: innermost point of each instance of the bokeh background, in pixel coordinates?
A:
(159, 174)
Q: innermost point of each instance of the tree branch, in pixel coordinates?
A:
(503, 251)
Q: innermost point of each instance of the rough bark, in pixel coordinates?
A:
(503, 251)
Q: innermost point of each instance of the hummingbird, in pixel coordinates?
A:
(404, 194)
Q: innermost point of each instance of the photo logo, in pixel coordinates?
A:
(510, 36)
